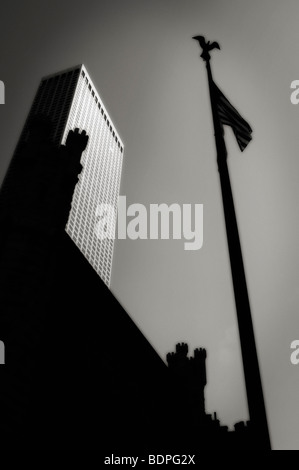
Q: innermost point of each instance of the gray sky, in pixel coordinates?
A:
(147, 70)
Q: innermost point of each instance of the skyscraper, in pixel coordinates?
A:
(70, 100)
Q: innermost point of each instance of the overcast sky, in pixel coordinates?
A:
(147, 70)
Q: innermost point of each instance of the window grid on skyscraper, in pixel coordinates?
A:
(100, 179)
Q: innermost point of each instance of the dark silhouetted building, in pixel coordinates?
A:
(78, 371)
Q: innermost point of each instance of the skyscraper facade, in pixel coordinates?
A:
(70, 100)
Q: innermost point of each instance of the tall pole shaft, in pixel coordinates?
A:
(255, 398)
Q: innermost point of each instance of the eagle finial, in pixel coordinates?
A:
(206, 46)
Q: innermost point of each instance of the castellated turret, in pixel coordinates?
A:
(189, 376)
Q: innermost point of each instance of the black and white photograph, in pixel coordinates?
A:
(149, 201)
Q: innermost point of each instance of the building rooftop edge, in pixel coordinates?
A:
(69, 69)
(83, 67)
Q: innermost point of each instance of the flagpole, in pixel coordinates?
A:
(255, 398)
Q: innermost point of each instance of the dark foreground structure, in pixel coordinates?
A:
(78, 372)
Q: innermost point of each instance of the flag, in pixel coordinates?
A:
(229, 116)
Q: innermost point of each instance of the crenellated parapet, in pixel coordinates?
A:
(191, 369)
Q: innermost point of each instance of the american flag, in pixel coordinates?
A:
(229, 116)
